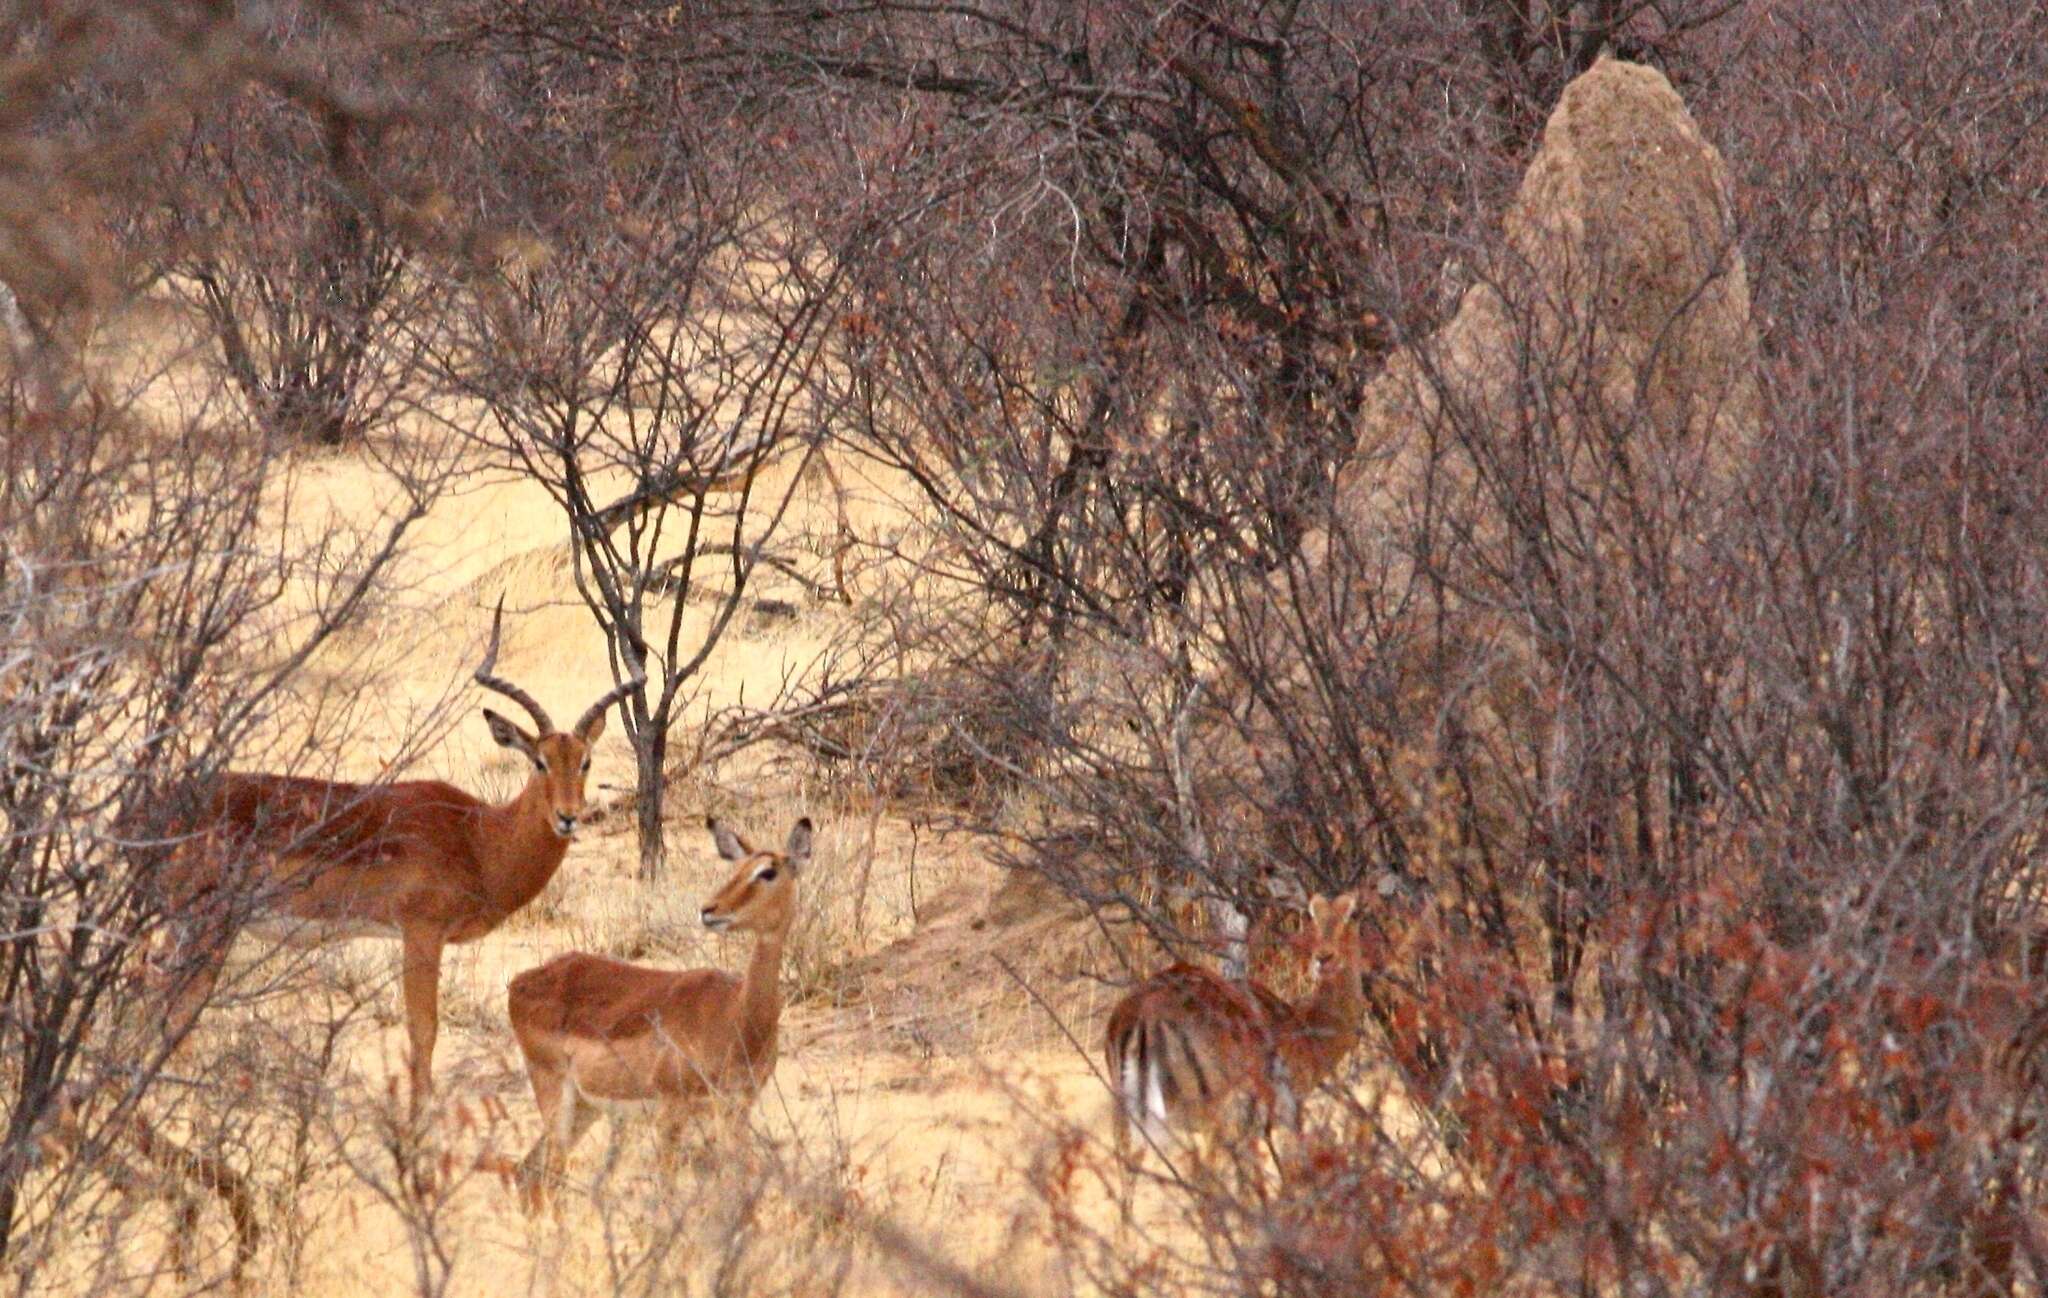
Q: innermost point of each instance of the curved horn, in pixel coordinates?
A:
(617, 692)
(503, 686)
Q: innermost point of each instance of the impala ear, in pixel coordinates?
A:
(509, 735)
(592, 727)
(1342, 907)
(798, 849)
(1316, 907)
(730, 845)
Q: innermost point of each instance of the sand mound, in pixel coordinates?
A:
(999, 955)
(1605, 347)
(1618, 295)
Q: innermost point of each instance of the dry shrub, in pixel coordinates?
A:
(959, 735)
(1671, 660)
(1671, 666)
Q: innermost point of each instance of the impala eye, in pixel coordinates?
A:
(766, 874)
(586, 763)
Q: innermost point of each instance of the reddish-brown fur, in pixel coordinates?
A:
(420, 860)
(593, 1029)
(1317, 1034)
(1185, 1045)
(420, 852)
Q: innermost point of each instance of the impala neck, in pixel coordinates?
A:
(1327, 1025)
(521, 846)
(761, 1001)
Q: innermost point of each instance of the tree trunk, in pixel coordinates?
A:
(650, 748)
(8, 1191)
(33, 1093)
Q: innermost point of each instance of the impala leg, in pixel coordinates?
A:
(1281, 1119)
(1126, 1162)
(576, 1117)
(534, 1169)
(185, 963)
(422, 1008)
(1286, 1107)
(193, 987)
(673, 1123)
(564, 1118)
(572, 1119)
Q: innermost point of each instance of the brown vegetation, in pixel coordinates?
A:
(1557, 473)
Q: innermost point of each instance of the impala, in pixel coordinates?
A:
(1185, 1046)
(598, 1032)
(420, 860)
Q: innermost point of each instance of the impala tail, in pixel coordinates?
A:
(1168, 1066)
(1141, 1083)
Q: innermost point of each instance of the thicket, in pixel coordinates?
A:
(1685, 723)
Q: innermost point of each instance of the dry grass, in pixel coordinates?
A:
(856, 1122)
(920, 1087)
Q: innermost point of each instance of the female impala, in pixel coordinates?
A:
(597, 1031)
(1185, 1046)
(314, 861)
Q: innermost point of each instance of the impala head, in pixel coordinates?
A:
(762, 890)
(1335, 946)
(561, 759)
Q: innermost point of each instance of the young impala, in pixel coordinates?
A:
(312, 861)
(1185, 1047)
(598, 1032)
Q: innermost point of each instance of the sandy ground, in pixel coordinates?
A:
(930, 1112)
